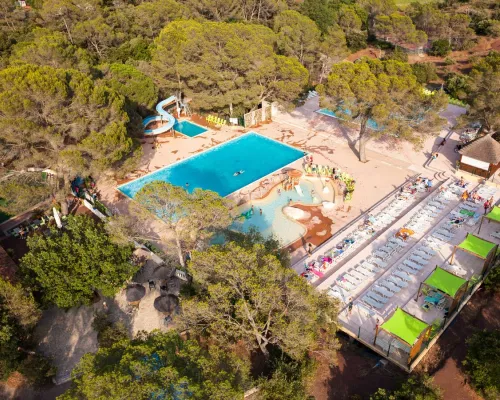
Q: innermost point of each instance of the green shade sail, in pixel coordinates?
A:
(494, 214)
(445, 281)
(404, 326)
(477, 246)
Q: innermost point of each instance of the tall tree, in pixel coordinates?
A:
(69, 265)
(52, 49)
(482, 89)
(159, 365)
(398, 29)
(384, 97)
(247, 294)
(192, 218)
(206, 61)
(375, 8)
(61, 119)
(323, 12)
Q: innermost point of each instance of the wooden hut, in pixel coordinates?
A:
(481, 157)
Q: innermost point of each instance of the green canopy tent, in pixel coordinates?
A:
(478, 247)
(447, 283)
(407, 329)
(493, 215)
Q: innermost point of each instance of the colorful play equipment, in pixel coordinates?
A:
(163, 116)
(216, 120)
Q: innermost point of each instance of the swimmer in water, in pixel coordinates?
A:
(238, 172)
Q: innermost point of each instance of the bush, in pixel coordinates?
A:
(449, 61)
(108, 333)
(492, 281)
(417, 387)
(483, 363)
(356, 41)
(425, 72)
(440, 48)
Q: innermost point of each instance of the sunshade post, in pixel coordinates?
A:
(480, 224)
(453, 255)
(418, 292)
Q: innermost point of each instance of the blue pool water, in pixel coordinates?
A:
(370, 124)
(273, 221)
(214, 169)
(189, 129)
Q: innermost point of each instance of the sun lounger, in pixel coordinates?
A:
(445, 233)
(379, 263)
(383, 291)
(399, 281)
(352, 279)
(427, 250)
(496, 235)
(418, 260)
(413, 265)
(377, 297)
(381, 254)
(422, 254)
(345, 284)
(372, 302)
(405, 268)
(399, 242)
(363, 271)
(357, 275)
(390, 285)
(443, 238)
(369, 266)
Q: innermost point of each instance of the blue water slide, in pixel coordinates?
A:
(163, 116)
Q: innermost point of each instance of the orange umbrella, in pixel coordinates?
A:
(294, 173)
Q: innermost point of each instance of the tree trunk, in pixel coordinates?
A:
(179, 249)
(363, 140)
(67, 30)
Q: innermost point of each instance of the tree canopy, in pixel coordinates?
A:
(61, 119)
(224, 66)
(419, 387)
(70, 264)
(159, 365)
(483, 86)
(387, 94)
(192, 218)
(247, 294)
(482, 363)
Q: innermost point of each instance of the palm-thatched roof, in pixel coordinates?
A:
(484, 149)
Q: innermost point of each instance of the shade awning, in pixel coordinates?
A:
(135, 292)
(477, 246)
(294, 173)
(445, 281)
(404, 326)
(494, 214)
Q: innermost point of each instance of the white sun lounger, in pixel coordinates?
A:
(355, 281)
(378, 297)
(427, 250)
(418, 260)
(436, 204)
(406, 269)
(390, 285)
(446, 233)
(443, 238)
(379, 263)
(381, 254)
(357, 275)
(398, 281)
(383, 291)
(399, 242)
(422, 254)
(413, 265)
(364, 271)
(372, 302)
(496, 235)
(369, 266)
(402, 274)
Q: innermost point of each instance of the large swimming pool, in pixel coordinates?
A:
(218, 169)
(273, 221)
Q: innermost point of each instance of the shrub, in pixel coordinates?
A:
(425, 72)
(483, 363)
(440, 48)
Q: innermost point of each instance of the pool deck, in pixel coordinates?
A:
(390, 162)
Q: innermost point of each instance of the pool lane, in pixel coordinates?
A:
(225, 168)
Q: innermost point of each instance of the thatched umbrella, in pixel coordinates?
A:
(135, 292)
(167, 303)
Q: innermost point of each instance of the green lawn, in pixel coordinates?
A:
(405, 3)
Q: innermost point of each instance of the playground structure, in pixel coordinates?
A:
(167, 120)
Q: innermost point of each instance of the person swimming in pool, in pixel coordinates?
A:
(238, 172)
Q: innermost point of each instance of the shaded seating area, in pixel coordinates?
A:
(492, 216)
(478, 247)
(440, 286)
(409, 333)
